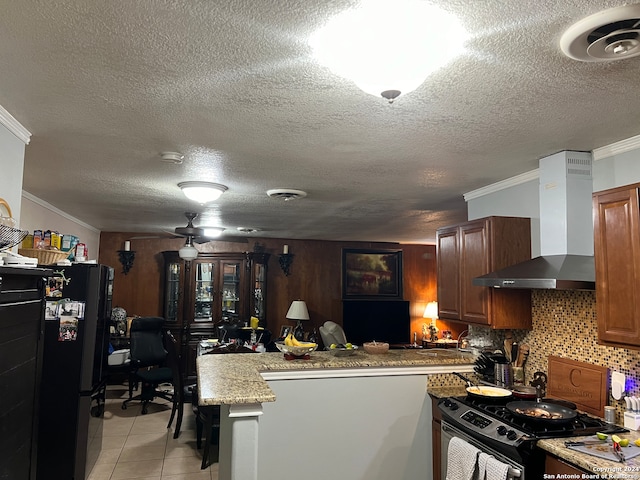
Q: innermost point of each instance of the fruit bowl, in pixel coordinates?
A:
(375, 348)
(293, 350)
(343, 351)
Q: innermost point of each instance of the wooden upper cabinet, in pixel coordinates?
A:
(475, 248)
(448, 272)
(617, 259)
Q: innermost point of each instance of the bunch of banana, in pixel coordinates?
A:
(292, 341)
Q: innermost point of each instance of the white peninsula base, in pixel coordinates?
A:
(355, 424)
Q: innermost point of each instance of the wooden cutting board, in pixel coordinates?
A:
(584, 384)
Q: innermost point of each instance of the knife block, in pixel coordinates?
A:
(632, 420)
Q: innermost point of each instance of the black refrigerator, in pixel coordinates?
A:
(76, 341)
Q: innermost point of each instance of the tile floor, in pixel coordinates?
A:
(140, 447)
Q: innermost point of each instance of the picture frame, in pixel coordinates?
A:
(285, 330)
(371, 274)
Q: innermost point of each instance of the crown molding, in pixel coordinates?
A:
(617, 148)
(57, 211)
(14, 126)
(501, 185)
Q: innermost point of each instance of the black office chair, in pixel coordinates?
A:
(155, 361)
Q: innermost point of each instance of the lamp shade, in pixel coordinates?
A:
(188, 252)
(298, 311)
(202, 192)
(431, 311)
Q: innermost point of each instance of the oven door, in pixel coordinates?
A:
(516, 471)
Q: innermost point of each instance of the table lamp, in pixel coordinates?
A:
(298, 311)
(431, 311)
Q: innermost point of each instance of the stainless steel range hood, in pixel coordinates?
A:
(566, 230)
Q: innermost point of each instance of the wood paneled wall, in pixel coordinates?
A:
(315, 275)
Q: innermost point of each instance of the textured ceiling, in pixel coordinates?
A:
(104, 87)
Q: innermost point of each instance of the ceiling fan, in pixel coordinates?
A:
(199, 234)
(193, 234)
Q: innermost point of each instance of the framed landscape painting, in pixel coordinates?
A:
(371, 274)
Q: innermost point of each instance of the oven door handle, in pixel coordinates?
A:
(513, 473)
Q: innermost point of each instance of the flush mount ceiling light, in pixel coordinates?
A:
(202, 192)
(286, 193)
(612, 34)
(389, 47)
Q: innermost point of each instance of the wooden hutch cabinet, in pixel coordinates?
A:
(475, 248)
(213, 289)
(617, 257)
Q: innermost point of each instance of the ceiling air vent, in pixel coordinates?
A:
(612, 34)
(286, 193)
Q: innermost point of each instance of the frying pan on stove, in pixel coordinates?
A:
(541, 412)
(486, 393)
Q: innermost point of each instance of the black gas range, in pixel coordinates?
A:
(494, 429)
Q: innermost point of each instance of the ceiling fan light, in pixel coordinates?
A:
(202, 192)
(212, 232)
(188, 252)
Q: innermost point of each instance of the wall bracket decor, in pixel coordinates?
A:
(286, 259)
(126, 259)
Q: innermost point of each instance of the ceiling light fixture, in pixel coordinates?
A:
(202, 192)
(286, 193)
(172, 157)
(212, 232)
(389, 47)
(188, 252)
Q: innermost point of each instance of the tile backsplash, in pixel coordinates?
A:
(564, 324)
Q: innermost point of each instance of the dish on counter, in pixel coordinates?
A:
(293, 350)
(343, 351)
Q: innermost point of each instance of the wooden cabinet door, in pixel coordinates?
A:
(448, 273)
(474, 261)
(617, 258)
(476, 248)
(554, 467)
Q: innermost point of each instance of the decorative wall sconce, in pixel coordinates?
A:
(286, 259)
(126, 259)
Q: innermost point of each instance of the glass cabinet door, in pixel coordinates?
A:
(231, 292)
(204, 292)
(172, 296)
(259, 291)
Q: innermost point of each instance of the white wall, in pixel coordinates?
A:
(374, 428)
(11, 170)
(614, 166)
(519, 200)
(40, 215)
(30, 212)
(617, 170)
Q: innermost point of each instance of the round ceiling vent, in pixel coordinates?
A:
(286, 193)
(612, 34)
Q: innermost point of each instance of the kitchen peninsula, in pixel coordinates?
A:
(361, 416)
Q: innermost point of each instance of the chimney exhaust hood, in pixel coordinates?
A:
(566, 230)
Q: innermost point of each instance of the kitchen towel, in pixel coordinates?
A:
(461, 460)
(496, 470)
(482, 465)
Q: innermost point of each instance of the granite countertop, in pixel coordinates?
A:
(595, 465)
(236, 378)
